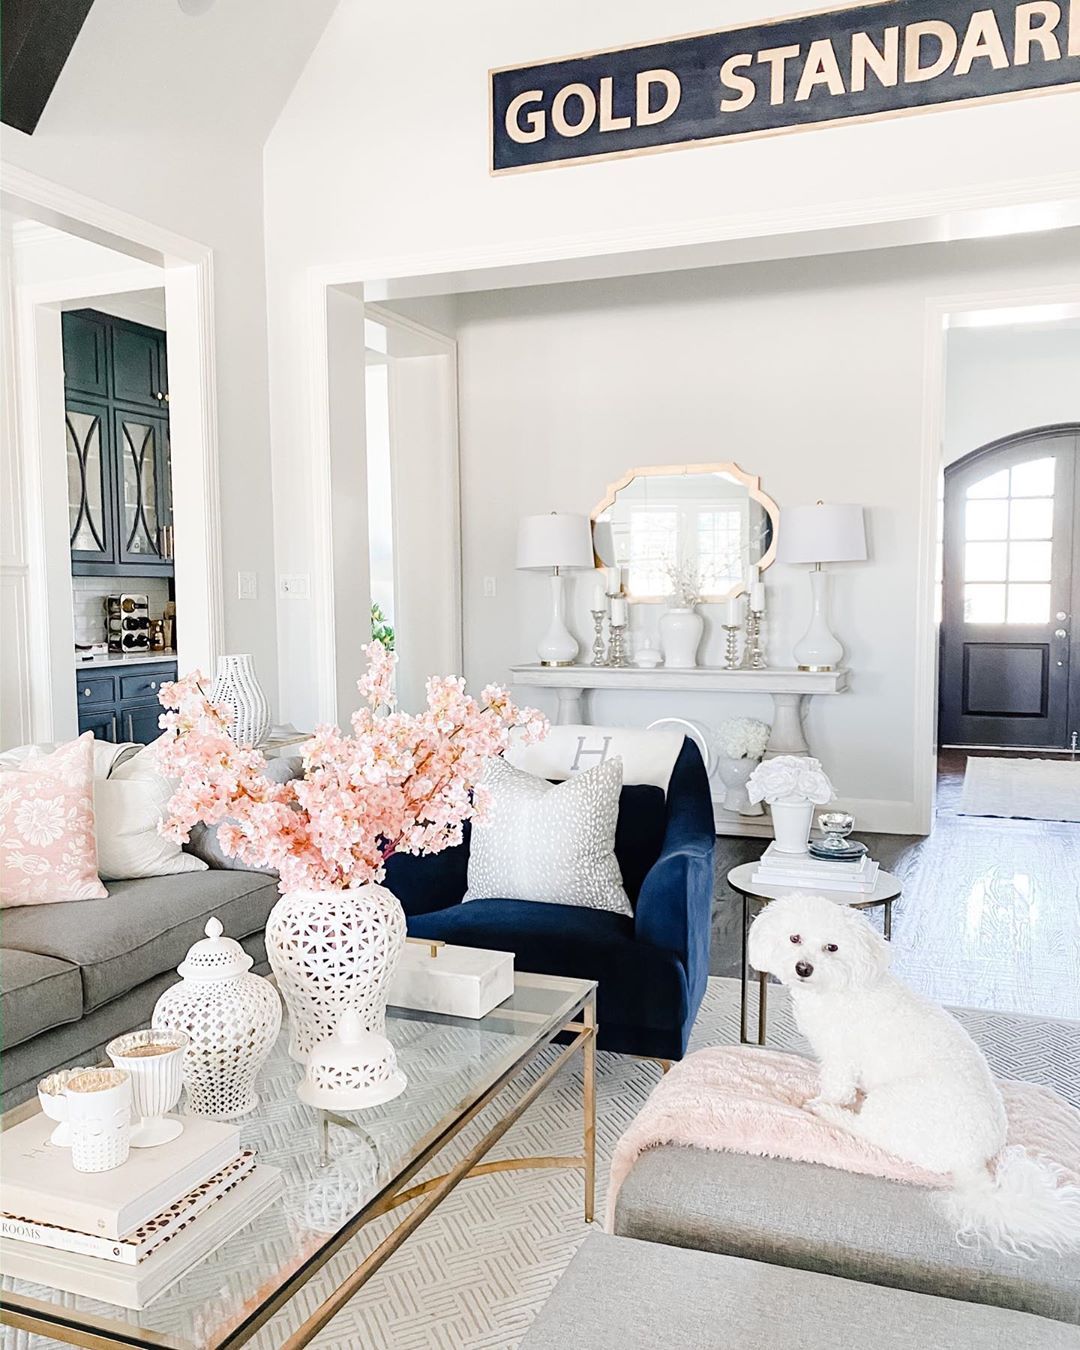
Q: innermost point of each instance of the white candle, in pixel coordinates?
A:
(599, 600)
(757, 597)
(734, 611)
(618, 610)
(753, 576)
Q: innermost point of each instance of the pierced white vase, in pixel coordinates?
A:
(680, 637)
(232, 1018)
(331, 951)
(733, 773)
(791, 819)
(238, 687)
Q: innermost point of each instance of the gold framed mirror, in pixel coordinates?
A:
(711, 520)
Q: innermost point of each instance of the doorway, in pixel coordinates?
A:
(1010, 668)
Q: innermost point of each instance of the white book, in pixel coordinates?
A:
(38, 1182)
(136, 1247)
(137, 1286)
(773, 876)
(805, 862)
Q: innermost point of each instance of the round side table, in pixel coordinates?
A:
(740, 879)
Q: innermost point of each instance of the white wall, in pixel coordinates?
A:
(1001, 380)
(164, 116)
(415, 197)
(808, 373)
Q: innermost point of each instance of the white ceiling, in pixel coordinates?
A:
(148, 65)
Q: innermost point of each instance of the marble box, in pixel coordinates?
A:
(461, 981)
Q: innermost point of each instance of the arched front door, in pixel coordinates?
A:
(1011, 586)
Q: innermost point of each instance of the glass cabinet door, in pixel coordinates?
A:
(89, 505)
(139, 449)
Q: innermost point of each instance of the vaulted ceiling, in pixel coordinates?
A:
(196, 68)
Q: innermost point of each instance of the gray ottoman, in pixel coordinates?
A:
(619, 1295)
(819, 1219)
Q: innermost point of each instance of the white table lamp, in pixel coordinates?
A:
(555, 543)
(820, 534)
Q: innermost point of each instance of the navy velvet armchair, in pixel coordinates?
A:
(651, 969)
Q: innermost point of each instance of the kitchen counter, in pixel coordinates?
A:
(129, 659)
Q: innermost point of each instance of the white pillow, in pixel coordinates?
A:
(648, 754)
(553, 842)
(128, 806)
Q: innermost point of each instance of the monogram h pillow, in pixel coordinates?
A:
(553, 842)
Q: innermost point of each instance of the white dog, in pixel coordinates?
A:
(903, 1074)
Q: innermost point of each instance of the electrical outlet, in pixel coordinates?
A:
(296, 586)
(247, 586)
(489, 588)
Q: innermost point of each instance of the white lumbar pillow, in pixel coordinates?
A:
(128, 807)
(648, 754)
(553, 842)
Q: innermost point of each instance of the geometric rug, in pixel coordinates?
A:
(476, 1272)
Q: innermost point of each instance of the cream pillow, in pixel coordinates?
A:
(549, 841)
(129, 805)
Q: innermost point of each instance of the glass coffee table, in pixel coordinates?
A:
(340, 1171)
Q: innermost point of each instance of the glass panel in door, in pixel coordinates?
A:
(137, 455)
(88, 515)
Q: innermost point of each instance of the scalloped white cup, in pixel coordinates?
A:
(53, 1103)
(156, 1082)
(99, 1113)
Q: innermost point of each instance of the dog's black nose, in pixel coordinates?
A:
(803, 969)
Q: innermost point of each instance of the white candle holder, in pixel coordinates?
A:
(155, 1062)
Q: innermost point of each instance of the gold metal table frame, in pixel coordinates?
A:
(64, 1324)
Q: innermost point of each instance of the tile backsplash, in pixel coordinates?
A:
(88, 595)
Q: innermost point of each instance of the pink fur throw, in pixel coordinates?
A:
(742, 1099)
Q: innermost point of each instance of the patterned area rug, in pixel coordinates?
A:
(476, 1272)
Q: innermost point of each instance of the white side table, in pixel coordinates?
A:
(741, 881)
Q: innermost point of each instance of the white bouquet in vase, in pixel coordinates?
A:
(792, 785)
(740, 743)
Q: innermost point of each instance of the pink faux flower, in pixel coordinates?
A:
(400, 783)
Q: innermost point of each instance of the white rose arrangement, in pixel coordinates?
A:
(742, 738)
(789, 777)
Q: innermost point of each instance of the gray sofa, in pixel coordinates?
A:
(73, 976)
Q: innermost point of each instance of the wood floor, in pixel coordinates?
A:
(990, 915)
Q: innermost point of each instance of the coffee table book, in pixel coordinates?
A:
(38, 1182)
(136, 1286)
(138, 1245)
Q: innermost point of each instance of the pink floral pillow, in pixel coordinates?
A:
(47, 847)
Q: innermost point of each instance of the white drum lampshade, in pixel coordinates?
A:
(555, 543)
(819, 534)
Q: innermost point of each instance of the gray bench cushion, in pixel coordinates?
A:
(821, 1219)
(142, 928)
(617, 1294)
(36, 992)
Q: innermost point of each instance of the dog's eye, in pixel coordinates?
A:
(831, 947)
(796, 939)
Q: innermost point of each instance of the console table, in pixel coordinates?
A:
(786, 688)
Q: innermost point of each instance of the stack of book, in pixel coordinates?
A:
(800, 869)
(126, 1235)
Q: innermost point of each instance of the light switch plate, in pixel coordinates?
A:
(295, 586)
(247, 586)
(489, 588)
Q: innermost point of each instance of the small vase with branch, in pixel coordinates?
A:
(681, 626)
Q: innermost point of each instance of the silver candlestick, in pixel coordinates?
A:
(599, 651)
(731, 650)
(616, 655)
(754, 652)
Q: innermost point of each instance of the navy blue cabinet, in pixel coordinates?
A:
(119, 466)
(120, 703)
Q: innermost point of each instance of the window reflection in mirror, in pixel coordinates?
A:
(712, 521)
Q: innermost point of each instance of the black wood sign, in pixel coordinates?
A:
(875, 60)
